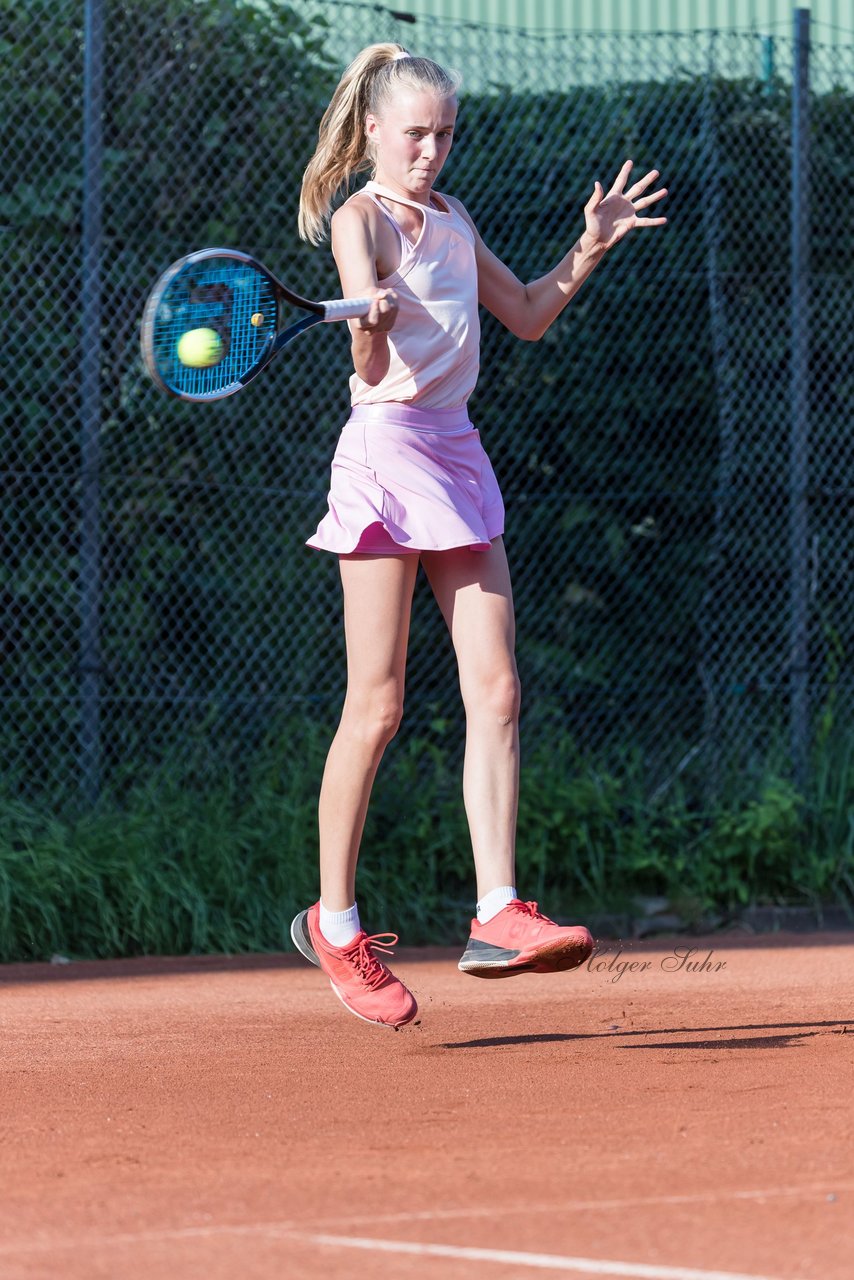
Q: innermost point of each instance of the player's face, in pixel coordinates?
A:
(411, 140)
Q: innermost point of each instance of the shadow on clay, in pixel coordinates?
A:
(790, 1033)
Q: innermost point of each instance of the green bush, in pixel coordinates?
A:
(198, 860)
(204, 838)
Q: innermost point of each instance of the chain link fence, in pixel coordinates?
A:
(676, 453)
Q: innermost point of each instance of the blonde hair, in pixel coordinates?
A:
(342, 147)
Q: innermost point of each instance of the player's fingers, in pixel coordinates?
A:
(650, 222)
(382, 313)
(390, 308)
(648, 200)
(370, 319)
(596, 198)
(638, 188)
(621, 179)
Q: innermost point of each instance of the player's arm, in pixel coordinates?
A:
(527, 310)
(353, 231)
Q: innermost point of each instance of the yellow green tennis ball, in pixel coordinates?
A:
(200, 348)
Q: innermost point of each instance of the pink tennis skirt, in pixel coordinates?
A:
(409, 480)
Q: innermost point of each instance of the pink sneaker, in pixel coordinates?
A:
(520, 939)
(362, 983)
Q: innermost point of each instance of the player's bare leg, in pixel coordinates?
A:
(508, 936)
(377, 605)
(472, 589)
(377, 601)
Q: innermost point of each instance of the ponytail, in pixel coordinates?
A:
(342, 146)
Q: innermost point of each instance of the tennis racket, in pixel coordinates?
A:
(214, 320)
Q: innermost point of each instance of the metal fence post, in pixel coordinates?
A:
(90, 403)
(718, 715)
(799, 421)
(768, 68)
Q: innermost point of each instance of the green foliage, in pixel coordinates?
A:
(608, 451)
(202, 101)
(615, 462)
(759, 842)
(196, 859)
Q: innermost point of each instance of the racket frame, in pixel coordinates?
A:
(317, 313)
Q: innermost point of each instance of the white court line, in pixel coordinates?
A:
(544, 1261)
(286, 1227)
(586, 1206)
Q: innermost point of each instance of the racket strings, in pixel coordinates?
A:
(236, 302)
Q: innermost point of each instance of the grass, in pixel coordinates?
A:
(194, 858)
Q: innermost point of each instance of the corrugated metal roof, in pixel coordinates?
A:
(834, 19)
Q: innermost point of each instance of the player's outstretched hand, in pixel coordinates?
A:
(609, 217)
(382, 314)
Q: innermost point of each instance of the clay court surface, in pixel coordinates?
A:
(227, 1118)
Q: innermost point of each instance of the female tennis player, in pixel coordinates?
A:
(411, 483)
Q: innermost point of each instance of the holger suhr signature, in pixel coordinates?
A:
(608, 961)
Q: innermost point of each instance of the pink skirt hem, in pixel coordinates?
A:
(409, 480)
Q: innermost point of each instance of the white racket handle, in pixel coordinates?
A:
(346, 308)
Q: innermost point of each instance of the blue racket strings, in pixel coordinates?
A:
(229, 297)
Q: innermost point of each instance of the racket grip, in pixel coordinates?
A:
(346, 308)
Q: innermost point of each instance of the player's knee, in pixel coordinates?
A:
(501, 697)
(385, 720)
(511, 698)
(372, 715)
(379, 716)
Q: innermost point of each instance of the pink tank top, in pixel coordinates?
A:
(435, 343)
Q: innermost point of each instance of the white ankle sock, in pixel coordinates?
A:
(494, 901)
(339, 927)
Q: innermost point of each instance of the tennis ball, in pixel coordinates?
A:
(257, 319)
(200, 348)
